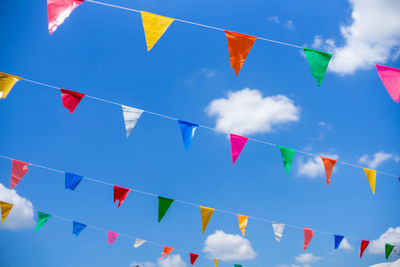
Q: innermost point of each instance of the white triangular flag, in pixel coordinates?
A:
(138, 242)
(278, 230)
(131, 116)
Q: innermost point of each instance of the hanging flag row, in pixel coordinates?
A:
(19, 169)
(71, 99)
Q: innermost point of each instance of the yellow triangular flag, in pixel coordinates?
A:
(5, 210)
(371, 176)
(206, 214)
(216, 262)
(7, 82)
(154, 27)
(242, 222)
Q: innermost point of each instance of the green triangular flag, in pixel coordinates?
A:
(163, 205)
(388, 250)
(237, 265)
(41, 220)
(287, 156)
(318, 62)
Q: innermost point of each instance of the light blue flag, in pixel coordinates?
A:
(77, 228)
(72, 180)
(188, 130)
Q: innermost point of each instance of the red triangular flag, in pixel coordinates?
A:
(120, 194)
(193, 258)
(239, 46)
(364, 245)
(166, 251)
(71, 99)
(18, 170)
(59, 10)
(328, 163)
(308, 235)
(237, 144)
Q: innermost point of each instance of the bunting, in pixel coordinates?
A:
(338, 240)
(388, 250)
(371, 176)
(318, 62)
(59, 10)
(166, 251)
(71, 99)
(188, 130)
(237, 144)
(138, 242)
(163, 206)
(216, 262)
(308, 235)
(364, 245)
(239, 46)
(42, 218)
(287, 157)
(328, 164)
(5, 210)
(390, 78)
(72, 180)
(237, 265)
(77, 228)
(206, 214)
(242, 222)
(111, 237)
(120, 194)
(131, 117)
(278, 231)
(7, 81)
(154, 27)
(18, 170)
(193, 258)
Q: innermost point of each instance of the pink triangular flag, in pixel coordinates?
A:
(18, 170)
(391, 80)
(111, 237)
(237, 144)
(308, 235)
(59, 10)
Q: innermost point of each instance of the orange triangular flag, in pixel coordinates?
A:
(166, 251)
(239, 46)
(308, 235)
(371, 176)
(206, 214)
(243, 222)
(328, 163)
(5, 210)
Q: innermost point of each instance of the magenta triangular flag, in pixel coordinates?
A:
(237, 144)
(391, 80)
(111, 237)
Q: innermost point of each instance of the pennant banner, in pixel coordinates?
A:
(138, 242)
(71, 99)
(188, 130)
(72, 180)
(154, 27)
(7, 82)
(318, 62)
(120, 194)
(163, 206)
(239, 46)
(278, 230)
(287, 157)
(42, 218)
(237, 145)
(308, 235)
(242, 222)
(131, 117)
(216, 262)
(388, 250)
(206, 214)
(371, 176)
(111, 237)
(328, 163)
(77, 228)
(338, 240)
(5, 210)
(193, 258)
(237, 265)
(18, 170)
(364, 245)
(59, 10)
(391, 80)
(166, 251)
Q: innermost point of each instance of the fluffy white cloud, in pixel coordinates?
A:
(376, 159)
(174, 260)
(228, 247)
(391, 236)
(21, 214)
(373, 36)
(313, 167)
(248, 112)
(306, 259)
(142, 264)
(345, 245)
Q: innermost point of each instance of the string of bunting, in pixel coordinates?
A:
(239, 44)
(71, 99)
(20, 168)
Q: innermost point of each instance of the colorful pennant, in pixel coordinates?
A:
(154, 27)
(278, 231)
(237, 265)
(131, 117)
(163, 206)
(237, 144)
(364, 245)
(390, 78)
(59, 10)
(138, 242)
(193, 258)
(18, 170)
(287, 157)
(188, 130)
(42, 218)
(328, 163)
(216, 262)
(239, 46)
(206, 214)
(388, 250)
(338, 240)
(111, 237)
(371, 176)
(242, 222)
(72, 180)
(77, 228)
(71, 99)
(5, 210)
(120, 194)
(7, 81)
(308, 235)
(318, 62)
(166, 251)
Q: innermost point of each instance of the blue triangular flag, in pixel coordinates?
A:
(72, 180)
(338, 240)
(188, 129)
(77, 228)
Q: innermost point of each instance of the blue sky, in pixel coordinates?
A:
(101, 51)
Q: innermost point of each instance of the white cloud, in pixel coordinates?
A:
(288, 23)
(248, 112)
(307, 258)
(323, 124)
(208, 73)
(274, 19)
(142, 264)
(345, 245)
(391, 236)
(174, 260)
(375, 160)
(228, 247)
(313, 167)
(373, 36)
(21, 214)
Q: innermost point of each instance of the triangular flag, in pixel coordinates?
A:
(5, 210)
(77, 228)
(71, 99)
(154, 27)
(239, 46)
(188, 130)
(216, 262)
(193, 258)
(42, 218)
(166, 251)
(120, 194)
(242, 222)
(318, 62)
(388, 250)
(371, 176)
(287, 157)
(7, 82)
(278, 230)
(338, 240)
(237, 144)
(206, 214)
(59, 10)
(364, 245)
(131, 116)
(237, 265)
(72, 180)
(308, 235)
(328, 163)
(111, 237)
(163, 205)
(391, 80)
(18, 170)
(138, 242)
